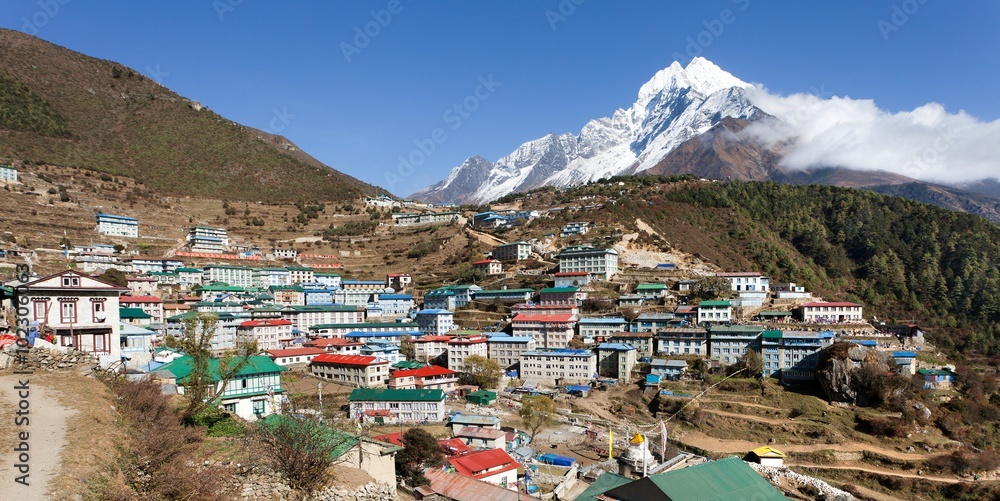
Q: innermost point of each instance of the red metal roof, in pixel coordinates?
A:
(140, 299)
(427, 339)
(265, 323)
(360, 360)
(476, 432)
(468, 340)
(425, 371)
(475, 464)
(486, 261)
(454, 486)
(838, 304)
(557, 318)
(295, 352)
(451, 447)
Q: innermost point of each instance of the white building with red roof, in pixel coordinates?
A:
(426, 348)
(292, 356)
(549, 331)
(270, 334)
(489, 266)
(151, 305)
(493, 466)
(461, 347)
(352, 370)
(572, 279)
(482, 438)
(429, 377)
(828, 312)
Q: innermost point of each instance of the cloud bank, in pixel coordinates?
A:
(927, 143)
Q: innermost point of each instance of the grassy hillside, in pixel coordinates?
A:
(60, 107)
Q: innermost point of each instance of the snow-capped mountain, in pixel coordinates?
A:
(677, 104)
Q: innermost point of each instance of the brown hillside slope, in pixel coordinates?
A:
(64, 108)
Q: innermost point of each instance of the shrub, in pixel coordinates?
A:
(420, 250)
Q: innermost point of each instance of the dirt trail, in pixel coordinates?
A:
(748, 417)
(737, 402)
(879, 471)
(46, 429)
(702, 441)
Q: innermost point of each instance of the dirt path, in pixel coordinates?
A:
(737, 402)
(46, 429)
(748, 417)
(702, 441)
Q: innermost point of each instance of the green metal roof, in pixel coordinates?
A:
(650, 287)
(722, 480)
(132, 314)
(558, 290)
(293, 288)
(406, 364)
(722, 303)
(188, 270)
(771, 334)
(604, 483)
(395, 395)
(260, 364)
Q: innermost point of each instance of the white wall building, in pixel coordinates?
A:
(117, 226)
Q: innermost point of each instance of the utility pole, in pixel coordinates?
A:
(320, 384)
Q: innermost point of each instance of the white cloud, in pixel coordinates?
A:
(927, 143)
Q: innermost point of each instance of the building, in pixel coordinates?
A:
(616, 360)
(391, 406)
(293, 356)
(427, 348)
(396, 305)
(428, 377)
(600, 327)
(482, 438)
(461, 347)
(271, 277)
(208, 240)
(715, 312)
(329, 279)
(304, 318)
(398, 281)
(236, 276)
(284, 253)
(728, 478)
(642, 341)
(446, 485)
(571, 279)
(668, 369)
(189, 277)
(134, 316)
(340, 329)
(906, 362)
(730, 342)
(80, 311)
(766, 456)
(382, 351)
(512, 252)
(751, 281)
(270, 334)
(410, 219)
(288, 295)
(575, 229)
(571, 295)
(794, 353)
(151, 305)
(352, 370)
(507, 350)
(489, 266)
(8, 174)
(250, 393)
(435, 322)
(492, 466)
(460, 421)
(563, 365)
(652, 291)
(682, 341)
(653, 322)
(117, 226)
(549, 331)
(823, 312)
(505, 295)
(601, 264)
(303, 275)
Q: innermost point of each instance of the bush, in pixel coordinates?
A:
(422, 249)
(886, 427)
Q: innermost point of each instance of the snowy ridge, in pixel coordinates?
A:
(676, 104)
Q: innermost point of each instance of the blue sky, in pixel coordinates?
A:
(287, 67)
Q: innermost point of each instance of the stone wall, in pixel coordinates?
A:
(774, 475)
(269, 486)
(48, 359)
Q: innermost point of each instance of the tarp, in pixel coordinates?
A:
(555, 459)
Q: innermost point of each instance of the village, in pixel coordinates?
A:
(598, 338)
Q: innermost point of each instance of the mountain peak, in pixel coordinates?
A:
(700, 75)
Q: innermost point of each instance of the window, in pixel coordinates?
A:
(67, 311)
(40, 307)
(71, 281)
(258, 407)
(99, 314)
(230, 407)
